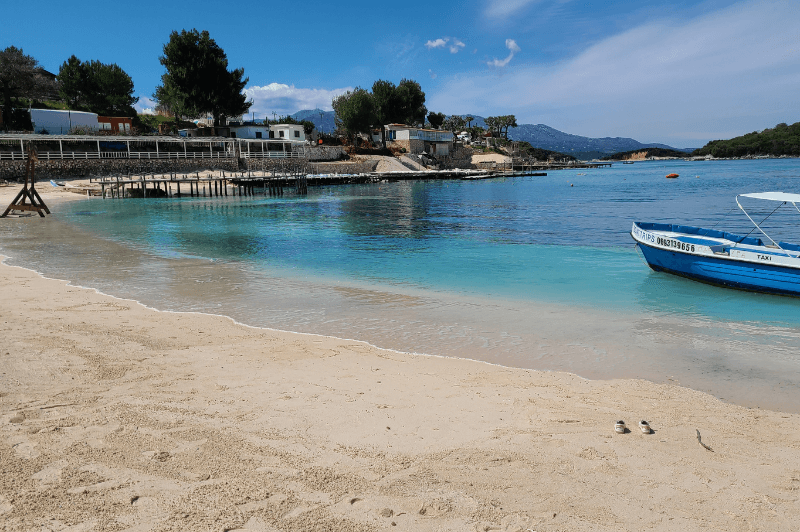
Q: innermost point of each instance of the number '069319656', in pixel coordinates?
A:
(675, 244)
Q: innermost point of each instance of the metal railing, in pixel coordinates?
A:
(72, 155)
(272, 155)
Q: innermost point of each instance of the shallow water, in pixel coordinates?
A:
(534, 272)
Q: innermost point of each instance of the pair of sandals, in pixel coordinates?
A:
(644, 426)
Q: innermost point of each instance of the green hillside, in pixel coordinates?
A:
(780, 140)
(648, 152)
(526, 150)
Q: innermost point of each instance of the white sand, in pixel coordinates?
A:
(117, 417)
(490, 158)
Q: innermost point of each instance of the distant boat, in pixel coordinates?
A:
(627, 162)
(722, 258)
(672, 176)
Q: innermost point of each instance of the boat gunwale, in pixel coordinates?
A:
(735, 246)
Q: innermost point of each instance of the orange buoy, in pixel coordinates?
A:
(672, 176)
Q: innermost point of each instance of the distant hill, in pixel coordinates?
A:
(780, 140)
(324, 123)
(526, 150)
(644, 154)
(538, 135)
(546, 137)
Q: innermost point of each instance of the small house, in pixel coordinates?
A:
(249, 131)
(418, 140)
(292, 132)
(114, 124)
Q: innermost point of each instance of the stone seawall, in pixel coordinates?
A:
(323, 153)
(359, 167)
(15, 170)
(305, 167)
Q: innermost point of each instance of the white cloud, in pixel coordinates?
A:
(734, 69)
(511, 44)
(506, 8)
(145, 106)
(432, 74)
(438, 43)
(456, 46)
(287, 99)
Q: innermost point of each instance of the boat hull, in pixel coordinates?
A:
(700, 263)
(722, 272)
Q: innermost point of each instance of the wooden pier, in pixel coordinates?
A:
(264, 183)
(253, 183)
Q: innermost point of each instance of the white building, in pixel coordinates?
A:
(58, 122)
(417, 140)
(287, 131)
(249, 131)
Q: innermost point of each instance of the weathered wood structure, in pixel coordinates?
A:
(28, 193)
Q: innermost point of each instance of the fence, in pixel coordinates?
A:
(72, 155)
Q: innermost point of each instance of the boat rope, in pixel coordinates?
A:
(723, 217)
(758, 225)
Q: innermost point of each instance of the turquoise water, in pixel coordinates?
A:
(561, 238)
(528, 271)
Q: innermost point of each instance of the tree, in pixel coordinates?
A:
(412, 102)
(476, 132)
(20, 77)
(71, 82)
(387, 105)
(308, 126)
(197, 79)
(506, 121)
(101, 88)
(493, 124)
(436, 120)
(455, 123)
(355, 111)
(468, 119)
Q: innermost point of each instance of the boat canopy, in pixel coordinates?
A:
(773, 196)
(782, 197)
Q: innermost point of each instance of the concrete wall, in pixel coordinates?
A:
(411, 146)
(15, 170)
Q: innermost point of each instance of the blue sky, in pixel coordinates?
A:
(681, 73)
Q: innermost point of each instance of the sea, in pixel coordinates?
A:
(535, 272)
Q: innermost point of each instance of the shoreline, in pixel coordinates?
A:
(117, 415)
(634, 349)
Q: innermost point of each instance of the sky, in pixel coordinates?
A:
(680, 73)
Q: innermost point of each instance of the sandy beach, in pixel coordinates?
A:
(114, 416)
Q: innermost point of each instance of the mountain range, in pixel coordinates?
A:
(538, 135)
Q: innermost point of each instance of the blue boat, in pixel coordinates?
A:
(722, 258)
